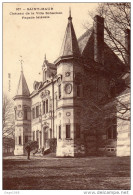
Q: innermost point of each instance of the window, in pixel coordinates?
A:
(26, 139)
(33, 113)
(67, 131)
(77, 131)
(45, 75)
(46, 106)
(37, 111)
(33, 135)
(50, 133)
(59, 131)
(37, 136)
(111, 128)
(59, 91)
(78, 91)
(20, 140)
(25, 114)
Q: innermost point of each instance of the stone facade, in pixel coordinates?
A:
(66, 104)
(123, 126)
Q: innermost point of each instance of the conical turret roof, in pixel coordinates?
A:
(22, 89)
(70, 46)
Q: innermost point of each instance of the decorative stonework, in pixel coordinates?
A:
(67, 74)
(68, 113)
(44, 93)
(68, 88)
(20, 114)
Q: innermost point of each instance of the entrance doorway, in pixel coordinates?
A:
(46, 138)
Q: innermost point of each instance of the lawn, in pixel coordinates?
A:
(92, 173)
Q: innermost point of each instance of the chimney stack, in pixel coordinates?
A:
(127, 46)
(99, 39)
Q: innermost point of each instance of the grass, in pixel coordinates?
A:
(94, 173)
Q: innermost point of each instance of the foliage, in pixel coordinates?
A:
(8, 119)
(116, 21)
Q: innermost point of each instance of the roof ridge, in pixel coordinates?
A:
(85, 33)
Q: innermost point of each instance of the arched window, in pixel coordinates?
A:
(44, 107)
(20, 140)
(59, 131)
(47, 106)
(68, 131)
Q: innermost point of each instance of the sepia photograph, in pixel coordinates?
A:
(66, 96)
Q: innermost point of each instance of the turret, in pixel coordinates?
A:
(69, 66)
(22, 115)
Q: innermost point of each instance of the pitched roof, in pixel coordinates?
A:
(111, 61)
(22, 89)
(83, 39)
(70, 45)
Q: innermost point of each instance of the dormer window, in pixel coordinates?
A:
(44, 75)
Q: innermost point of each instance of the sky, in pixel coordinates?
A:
(33, 38)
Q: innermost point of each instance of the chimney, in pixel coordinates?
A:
(127, 46)
(99, 39)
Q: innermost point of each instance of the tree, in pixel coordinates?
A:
(8, 117)
(110, 112)
(116, 22)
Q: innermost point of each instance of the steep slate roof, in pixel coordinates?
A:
(22, 89)
(111, 61)
(70, 45)
(83, 39)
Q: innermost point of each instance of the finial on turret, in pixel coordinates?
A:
(21, 62)
(69, 18)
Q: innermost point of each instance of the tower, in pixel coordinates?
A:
(69, 75)
(22, 115)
